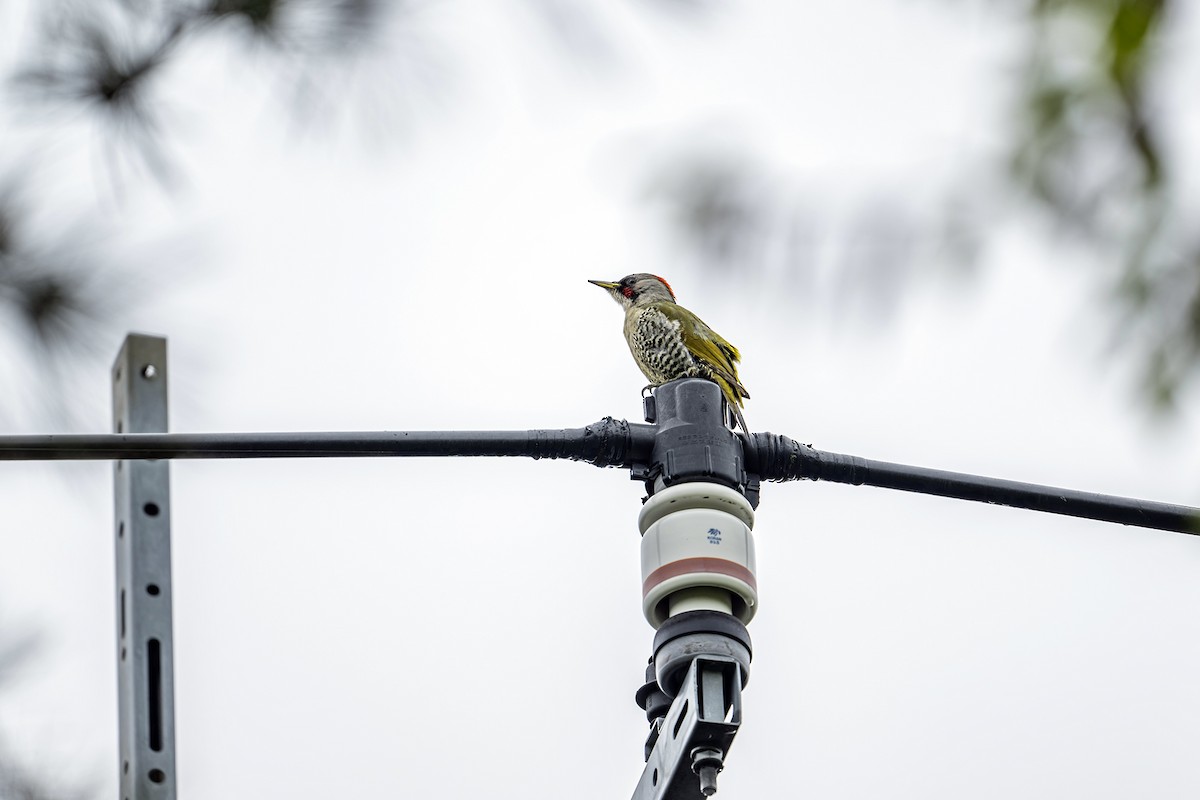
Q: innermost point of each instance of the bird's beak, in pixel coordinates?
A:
(609, 285)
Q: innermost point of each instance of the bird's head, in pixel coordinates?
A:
(638, 289)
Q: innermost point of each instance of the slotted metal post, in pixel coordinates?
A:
(145, 662)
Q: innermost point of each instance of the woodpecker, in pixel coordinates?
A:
(669, 342)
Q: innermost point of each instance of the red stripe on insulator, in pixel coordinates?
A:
(688, 566)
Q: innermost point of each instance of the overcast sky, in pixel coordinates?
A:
(467, 629)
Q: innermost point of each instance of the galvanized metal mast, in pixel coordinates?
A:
(145, 652)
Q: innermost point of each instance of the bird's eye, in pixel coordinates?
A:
(628, 292)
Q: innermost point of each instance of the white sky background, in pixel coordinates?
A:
(461, 629)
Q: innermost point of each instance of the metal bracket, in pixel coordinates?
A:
(145, 660)
(695, 736)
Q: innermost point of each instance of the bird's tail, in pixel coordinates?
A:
(737, 415)
(733, 398)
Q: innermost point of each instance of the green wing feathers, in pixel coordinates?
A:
(711, 349)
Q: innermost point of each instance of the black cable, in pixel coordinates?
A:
(778, 458)
(607, 443)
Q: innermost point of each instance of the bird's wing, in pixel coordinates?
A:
(707, 345)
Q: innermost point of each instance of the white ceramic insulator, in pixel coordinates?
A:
(699, 598)
(697, 552)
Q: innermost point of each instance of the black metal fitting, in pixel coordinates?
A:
(694, 634)
(706, 763)
(692, 442)
(651, 699)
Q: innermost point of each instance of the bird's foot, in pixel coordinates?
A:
(649, 387)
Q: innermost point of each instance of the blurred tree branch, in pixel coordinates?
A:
(1086, 151)
(108, 59)
(1090, 153)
